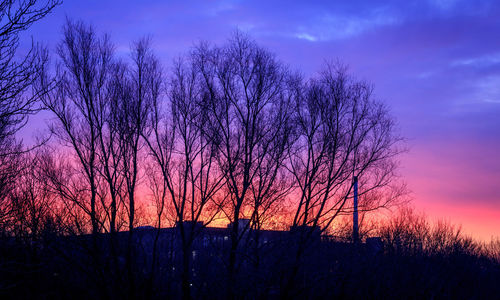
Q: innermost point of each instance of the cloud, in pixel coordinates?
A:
(488, 89)
(479, 61)
(220, 7)
(332, 26)
(443, 4)
(306, 36)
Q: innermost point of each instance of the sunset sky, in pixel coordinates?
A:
(435, 63)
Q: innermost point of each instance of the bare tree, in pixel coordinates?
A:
(102, 107)
(409, 233)
(69, 188)
(17, 101)
(343, 133)
(32, 203)
(78, 102)
(186, 157)
(248, 102)
(492, 250)
(17, 76)
(405, 232)
(10, 167)
(135, 93)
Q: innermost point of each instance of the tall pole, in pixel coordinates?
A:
(355, 228)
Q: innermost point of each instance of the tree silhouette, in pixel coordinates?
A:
(17, 75)
(249, 105)
(342, 133)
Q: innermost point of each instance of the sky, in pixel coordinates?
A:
(435, 63)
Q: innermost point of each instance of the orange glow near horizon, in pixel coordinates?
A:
(454, 182)
(481, 223)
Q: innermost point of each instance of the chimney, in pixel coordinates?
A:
(355, 229)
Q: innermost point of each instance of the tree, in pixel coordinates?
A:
(136, 93)
(101, 107)
(342, 133)
(77, 102)
(16, 78)
(32, 202)
(249, 125)
(185, 157)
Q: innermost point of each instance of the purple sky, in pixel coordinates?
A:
(436, 63)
